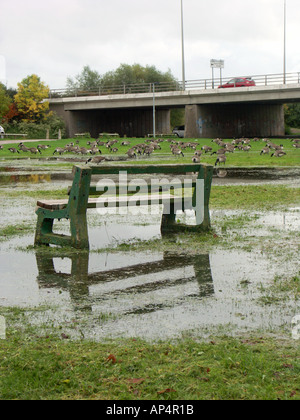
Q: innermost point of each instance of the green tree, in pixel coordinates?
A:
(30, 99)
(292, 115)
(5, 102)
(135, 74)
(86, 80)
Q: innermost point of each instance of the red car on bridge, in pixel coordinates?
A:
(239, 82)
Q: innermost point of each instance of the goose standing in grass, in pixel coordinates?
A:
(131, 153)
(43, 146)
(196, 159)
(95, 159)
(177, 152)
(206, 149)
(265, 151)
(59, 150)
(296, 145)
(278, 153)
(198, 153)
(34, 150)
(247, 148)
(220, 159)
(13, 150)
(220, 152)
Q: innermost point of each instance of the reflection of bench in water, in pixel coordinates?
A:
(174, 276)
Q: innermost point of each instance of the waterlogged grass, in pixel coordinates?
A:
(283, 289)
(230, 197)
(52, 367)
(15, 230)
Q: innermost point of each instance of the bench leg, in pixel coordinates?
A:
(44, 227)
(168, 221)
(79, 231)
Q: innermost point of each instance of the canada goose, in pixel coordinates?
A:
(131, 153)
(275, 146)
(96, 159)
(13, 150)
(221, 159)
(206, 149)
(178, 152)
(278, 153)
(125, 143)
(247, 148)
(1, 147)
(196, 159)
(59, 150)
(84, 151)
(43, 146)
(198, 153)
(296, 145)
(34, 151)
(265, 151)
(94, 150)
(114, 149)
(23, 148)
(230, 148)
(148, 150)
(219, 152)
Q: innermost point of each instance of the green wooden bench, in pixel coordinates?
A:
(82, 197)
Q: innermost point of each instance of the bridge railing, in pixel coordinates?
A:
(201, 84)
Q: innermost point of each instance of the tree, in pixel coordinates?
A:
(135, 74)
(88, 79)
(30, 99)
(292, 115)
(5, 102)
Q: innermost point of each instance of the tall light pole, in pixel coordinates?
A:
(182, 47)
(154, 122)
(284, 47)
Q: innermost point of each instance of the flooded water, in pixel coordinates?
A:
(150, 294)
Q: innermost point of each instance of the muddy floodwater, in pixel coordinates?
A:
(116, 292)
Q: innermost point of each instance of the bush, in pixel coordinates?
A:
(38, 130)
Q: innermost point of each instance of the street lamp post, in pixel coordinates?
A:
(154, 122)
(284, 47)
(182, 47)
(154, 110)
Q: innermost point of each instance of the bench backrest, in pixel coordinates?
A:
(81, 188)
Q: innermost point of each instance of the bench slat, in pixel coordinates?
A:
(145, 169)
(119, 201)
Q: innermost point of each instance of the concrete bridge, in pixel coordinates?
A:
(234, 112)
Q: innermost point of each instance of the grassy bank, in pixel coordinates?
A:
(164, 155)
(54, 367)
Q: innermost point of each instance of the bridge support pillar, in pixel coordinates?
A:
(234, 120)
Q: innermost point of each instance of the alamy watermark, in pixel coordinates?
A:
(139, 197)
(2, 328)
(296, 327)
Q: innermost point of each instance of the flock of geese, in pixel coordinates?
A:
(177, 148)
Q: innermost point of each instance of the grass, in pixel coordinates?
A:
(52, 367)
(265, 197)
(236, 159)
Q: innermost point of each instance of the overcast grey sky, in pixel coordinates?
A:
(56, 38)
